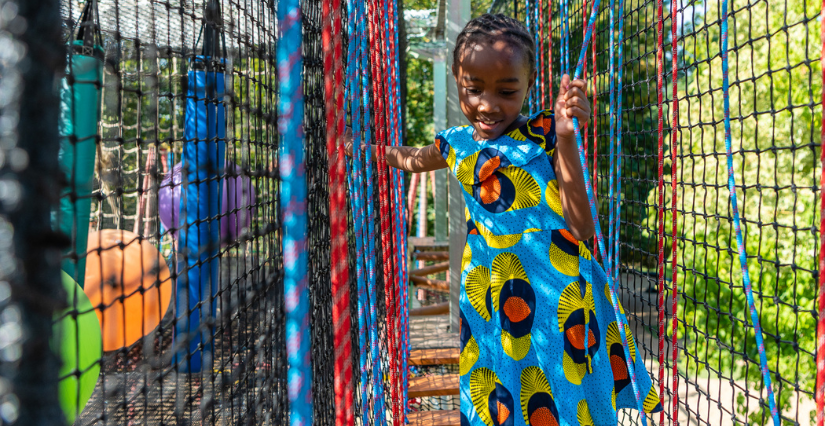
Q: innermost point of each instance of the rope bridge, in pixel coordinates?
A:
(222, 263)
(204, 228)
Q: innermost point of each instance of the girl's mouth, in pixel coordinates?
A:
(488, 125)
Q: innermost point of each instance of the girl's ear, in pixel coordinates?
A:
(533, 78)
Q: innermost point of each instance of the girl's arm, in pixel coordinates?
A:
(407, 158)
(572, 102)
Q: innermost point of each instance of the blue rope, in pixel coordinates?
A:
(355, 180)
(743, 257)
(293, 187)
(377, 378)
(620, 71)
(609, 259)
(599, 236)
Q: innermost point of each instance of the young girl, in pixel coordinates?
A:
(540, 344)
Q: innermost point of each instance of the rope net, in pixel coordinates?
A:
(661, 180)
(203, 249)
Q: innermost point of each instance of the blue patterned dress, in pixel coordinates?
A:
(529, 291)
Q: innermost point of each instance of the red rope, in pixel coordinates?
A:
(595, 132)
(391, 278)
(674, 125)
(399, 410)
(820, 328)
(339, 274)
(550, 54)
(541, 49)
(661, 203)
(378, 48)
(585, 16)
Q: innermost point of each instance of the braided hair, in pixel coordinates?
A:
(489, 28)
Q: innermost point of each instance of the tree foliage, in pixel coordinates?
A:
(774, 74)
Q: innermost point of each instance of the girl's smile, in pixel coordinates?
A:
(493, 79)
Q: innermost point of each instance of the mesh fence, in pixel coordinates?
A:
(183, 260)
(168, 220)
(165, 216)
(775, 87)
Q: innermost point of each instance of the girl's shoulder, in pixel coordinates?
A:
(516, 148)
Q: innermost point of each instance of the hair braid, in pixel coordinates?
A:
(489, 27)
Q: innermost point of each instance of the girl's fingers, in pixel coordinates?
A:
(579, 102)
(579, 113)
(575, 92)
(579, 84)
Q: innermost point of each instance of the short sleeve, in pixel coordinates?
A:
(447, 151)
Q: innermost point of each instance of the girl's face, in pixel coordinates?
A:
(493, 79)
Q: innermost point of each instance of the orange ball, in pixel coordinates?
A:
(128, 283)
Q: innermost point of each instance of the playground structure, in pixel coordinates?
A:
(183, 133)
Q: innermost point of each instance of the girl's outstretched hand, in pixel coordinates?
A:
(348, 142)
(572, 102)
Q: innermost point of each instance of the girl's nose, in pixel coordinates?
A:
(485, 106)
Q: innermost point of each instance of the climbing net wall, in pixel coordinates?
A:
(693, 99)
(194, 201)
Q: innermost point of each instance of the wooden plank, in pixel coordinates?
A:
(432, 269)
(434, 385)
(432, 255)
(435, 418)
(436, 309)
(437, 285)
(420, 241)
(434, 356)
(435, 340)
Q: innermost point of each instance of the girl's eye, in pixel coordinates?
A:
(473, 91)
(508, 92)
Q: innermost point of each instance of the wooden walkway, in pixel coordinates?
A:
(433, 344)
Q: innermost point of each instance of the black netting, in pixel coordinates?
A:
(188, 337)
(169, 149)
(774, 54)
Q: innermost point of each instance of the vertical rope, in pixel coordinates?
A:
(746, 279)
(674, 125)
(820, 327)
(594, 212)
(619, 134)
(540, 50)
(356, 182)
(401, 229)
(293, 188)
(550, 54)
(376, 50)
(339, 274)
(595, 113)
(384, 127)
(397, 201)
(372, 325)
(565, 37)
(537, 23)
(660, 205)
(611, 138)
(528, 20)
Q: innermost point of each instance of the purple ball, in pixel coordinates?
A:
(237, 197)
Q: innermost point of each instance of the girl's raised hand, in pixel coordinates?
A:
(572, 102)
